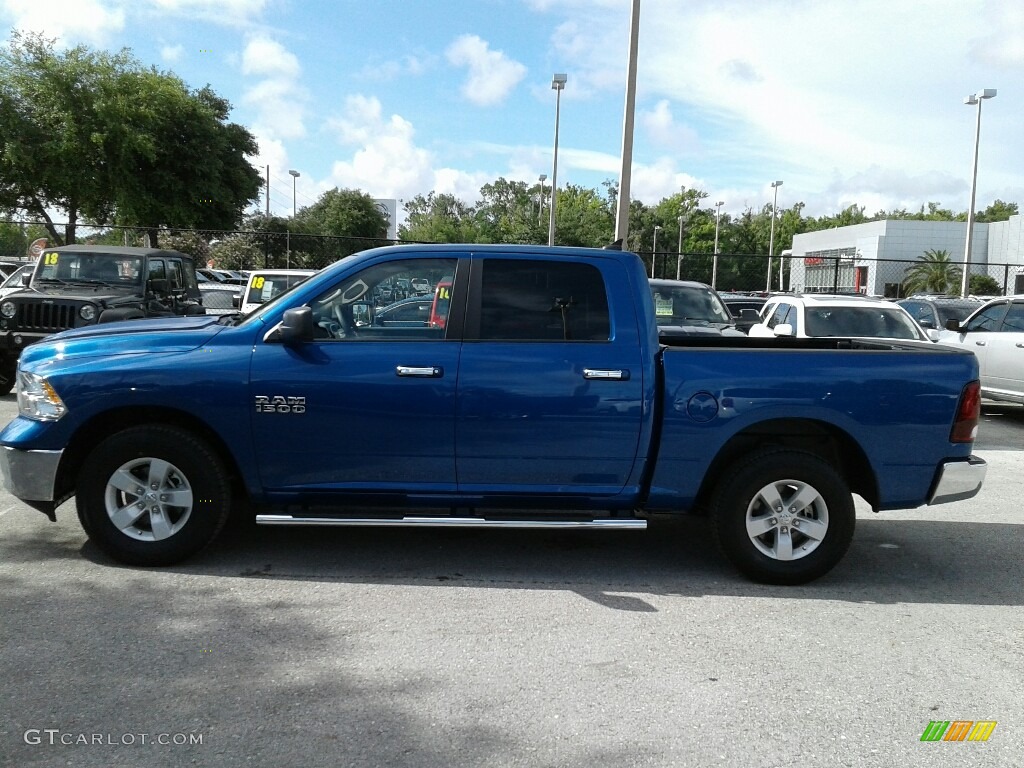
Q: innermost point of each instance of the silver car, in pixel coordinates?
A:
(995, 333)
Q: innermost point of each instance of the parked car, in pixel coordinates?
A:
(933, 312)
(995, 333)
(73, 286)
(413, 312)
(265, 284)
(688, 308)
(220, 298)
(545, 400)
(746, 309)
(822, 315)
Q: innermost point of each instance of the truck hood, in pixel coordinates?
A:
(131, 337)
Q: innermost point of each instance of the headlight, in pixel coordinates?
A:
(7, 309)
(37, 399)
(87, 312)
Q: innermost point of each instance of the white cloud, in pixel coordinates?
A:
(225, 12)
(492, 75)
(172, 53)
(665, 132)
(66, 20)
(279, 101)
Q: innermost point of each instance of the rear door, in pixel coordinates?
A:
(550, 380)
(978, 334)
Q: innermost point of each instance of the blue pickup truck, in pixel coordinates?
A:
(536, 395)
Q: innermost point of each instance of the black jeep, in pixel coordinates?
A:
(79, 285)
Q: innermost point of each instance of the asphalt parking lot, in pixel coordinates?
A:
(359, 647)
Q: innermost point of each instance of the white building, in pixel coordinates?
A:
(873, 258)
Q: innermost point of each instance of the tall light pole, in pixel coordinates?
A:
(557, 84)
(973, 99)
(714, 259)
(288, 257)
(771, 237)
(679, 255)
(540, 212)
(654, 248)
(622, 204)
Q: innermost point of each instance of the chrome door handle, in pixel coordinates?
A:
(980, 343)
(1020, 345)
(420, 372)
(606, 374)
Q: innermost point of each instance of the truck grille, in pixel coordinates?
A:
(37, 316)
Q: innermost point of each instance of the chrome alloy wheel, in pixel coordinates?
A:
(148, 499)
(787, 519)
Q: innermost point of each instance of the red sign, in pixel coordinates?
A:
(813, 261)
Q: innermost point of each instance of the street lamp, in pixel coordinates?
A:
(973, 99)
(288, 252)
(679, 255)
(540, 212)
(714, 259)
(557, 84)
(654, 248)
(771, 237)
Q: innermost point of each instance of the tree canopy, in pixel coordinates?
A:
(106, 140)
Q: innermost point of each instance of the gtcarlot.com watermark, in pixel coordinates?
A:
(57, 737)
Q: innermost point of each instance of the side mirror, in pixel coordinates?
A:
(932, 334)
(236, 301)
(26, 279)
(158, 285)
(783, 329)
(954, 325)
(297, 325)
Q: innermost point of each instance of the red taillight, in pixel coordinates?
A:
(968, 412)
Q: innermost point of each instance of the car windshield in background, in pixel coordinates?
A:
(860, 321)
(263, 288)
(68, 266)
(688, 305)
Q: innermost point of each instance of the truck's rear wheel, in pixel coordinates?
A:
(152, 495)
(785, 517)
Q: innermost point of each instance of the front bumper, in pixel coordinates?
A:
(31, 476)
(958, 480)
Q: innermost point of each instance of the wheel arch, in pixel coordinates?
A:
(832, 444)
(107, 423)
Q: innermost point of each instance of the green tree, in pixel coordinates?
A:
(934, 272)
(343, 213)
(583, 218)
(997, 211)
(438, 218)
(984, 285)
(508, 212)
(101, 138)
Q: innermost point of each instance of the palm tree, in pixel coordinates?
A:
(934, 273)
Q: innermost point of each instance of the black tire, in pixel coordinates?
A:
(178, 507)
(783, 553)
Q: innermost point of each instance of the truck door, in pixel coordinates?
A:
(363, 408)
(550, 380)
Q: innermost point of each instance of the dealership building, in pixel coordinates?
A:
(873, 258)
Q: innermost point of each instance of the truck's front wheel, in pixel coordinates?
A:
(785, 517)
(152, 495)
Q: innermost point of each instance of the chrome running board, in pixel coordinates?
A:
(613, 524)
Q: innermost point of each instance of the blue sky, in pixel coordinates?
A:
(858, 101)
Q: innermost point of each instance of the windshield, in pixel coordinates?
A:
(263, 288)
(687, 305)
(879, 322)
(90, 267)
